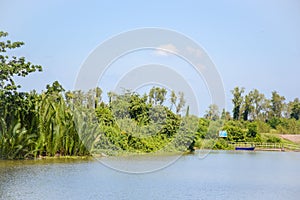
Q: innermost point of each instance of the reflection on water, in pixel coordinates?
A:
(140, 164)
(221, 175)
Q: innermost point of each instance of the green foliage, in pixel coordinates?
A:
(185, 137)
(138, 109)
(56, 122)
(177, 102)
(221, 144)
(277, 104)
(235, 131)
(295, 110)
(213, 129)
(237, 101)
(269, 138)
(274, 122)
(132, 124)
(202, 130)
(104, 115)
(252, 130)
(12, 66)
(285, 126)
(16, 143)
(247, 107)
(212, 113)
(289, 126)
(258, 104)
(157, 95)
(263, 127)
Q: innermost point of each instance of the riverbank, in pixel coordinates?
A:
(206, 145)
(293, 138)
(196, 150)
(124, 155)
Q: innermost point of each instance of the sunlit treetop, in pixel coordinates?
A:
(11, 66)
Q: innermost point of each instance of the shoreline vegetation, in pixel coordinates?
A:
(103, 156)
(58, 123)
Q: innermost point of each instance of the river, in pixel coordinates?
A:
(220, 175)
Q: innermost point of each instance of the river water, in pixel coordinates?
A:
(220, 175)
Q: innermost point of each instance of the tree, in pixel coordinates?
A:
(98, 93)
(173, 99)
(18, 115)
(295, 109)
(157, 95)
(225, 115)
(202, 130)
(247, 107)
(258, 104)
(212, 113)
(277, 104)
(187, 113)
(55, 88)
(252, 130)
(104, 115)
(237, 101)
(11, 101)
(235, 131)
(266, 113)
(181, 102)
(138, 109)
(11, 66)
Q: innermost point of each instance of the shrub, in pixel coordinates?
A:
(252, 130)
(263, 127)
(235, 133)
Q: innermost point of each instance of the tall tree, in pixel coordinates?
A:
(258, 103)
(177, 101)
(277, 104)
(213, 112)
(11, 66)
(173, 99)
(157, 95)
(247, 107)
(98, 98)
(295, 110)
(237, 101)
(18, 116)
(225, 115)
(181, 102)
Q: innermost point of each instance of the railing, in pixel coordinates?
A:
(292, 147)
(267, 146)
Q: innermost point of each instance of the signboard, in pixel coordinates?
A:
(222, 133)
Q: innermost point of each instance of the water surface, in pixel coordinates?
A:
(221, 175)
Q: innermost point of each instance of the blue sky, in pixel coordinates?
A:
(253, 43)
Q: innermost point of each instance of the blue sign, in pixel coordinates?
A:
(222, 133)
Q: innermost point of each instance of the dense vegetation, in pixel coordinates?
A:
(59, 122)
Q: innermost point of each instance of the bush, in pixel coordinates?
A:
(203, 125)
(274, 122)
(221, 144)
(235, 132)
(273, 139)
(263, 127)
(252, 130)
